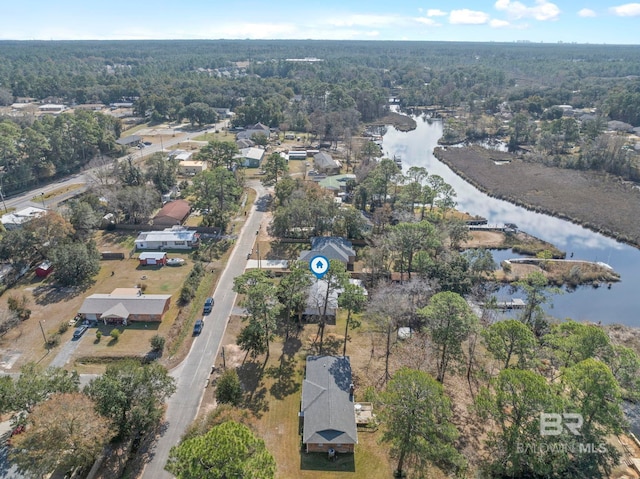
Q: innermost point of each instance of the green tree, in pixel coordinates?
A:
(217, 191)
(449, 320)
(219, 153)
(199, 113)
(538, 292)
(75, 263)
(594, 393)
(353, 299)
(64, 431)
(571, 342)
(83, 218)
(513, 402)
(335, 280)
(625, 366)
(406, 239)
(228, 450)
(157, 343)
(132, 395)
(261, 303)
(274, 166)
(509, 338)
(35, 384)
(417, 420)
(228, 388)
(293, 292)
(161, 172)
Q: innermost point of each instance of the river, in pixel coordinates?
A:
(619, 304)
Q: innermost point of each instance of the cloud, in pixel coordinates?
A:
(427, 21)
(543, 10)
(495, 23)
(468, 17)
(364, 20)
(586, 13)
(434, 12)
(627, 10)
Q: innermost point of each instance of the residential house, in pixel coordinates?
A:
(15, 220)
(251, 157)
(172, 213)
(315, 307)
(176, 237)
(336, 183)
(331, 247)
(52, 108)
(324, 163)
(327, 410)
(153, 258)
(191, 167)
(257, 129)
(125, 305)
(133, 140)
(246, 143)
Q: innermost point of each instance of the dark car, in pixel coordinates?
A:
(80, 330)
(208, 305)
(197, 328)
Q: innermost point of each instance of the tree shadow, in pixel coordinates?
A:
(250, 374)
(47, 293)
(319, 461)
(286, 382)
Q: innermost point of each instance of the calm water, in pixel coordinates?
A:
(620, 304)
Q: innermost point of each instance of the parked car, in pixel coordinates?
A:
(208, 305)
(197, 328)
(80, 330)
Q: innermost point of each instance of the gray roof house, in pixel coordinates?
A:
(331, 248)
(316, 302)
(324, 163)
(124, 305)
(129, 140)
(328, 413)
(251, 157)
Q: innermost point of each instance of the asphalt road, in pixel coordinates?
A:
(193, 373)
(35, 197)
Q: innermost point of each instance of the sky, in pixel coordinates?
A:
(549, 21)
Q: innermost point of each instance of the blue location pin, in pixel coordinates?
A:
(319, 266)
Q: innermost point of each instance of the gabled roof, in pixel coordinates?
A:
(328, 411)
(252, 153)
(22, 216)
(176, 210)
(324, 160)
(329, 247)
(128, 140)
(316, 299)
(118, 304)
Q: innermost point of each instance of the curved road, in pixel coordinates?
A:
(193, 373)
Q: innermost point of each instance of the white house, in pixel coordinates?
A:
(16, 219)
(176, 237)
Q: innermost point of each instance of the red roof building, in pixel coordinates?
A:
(173, 213)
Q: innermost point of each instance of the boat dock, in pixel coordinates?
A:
(515, 303)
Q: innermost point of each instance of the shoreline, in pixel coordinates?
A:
(571, 195)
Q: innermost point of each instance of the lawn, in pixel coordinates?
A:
(51, 306)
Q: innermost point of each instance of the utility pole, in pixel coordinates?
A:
(44, 336)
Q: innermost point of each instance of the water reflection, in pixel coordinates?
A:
(616, 305)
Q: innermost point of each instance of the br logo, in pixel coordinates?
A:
(552, 424)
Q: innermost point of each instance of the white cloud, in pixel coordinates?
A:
(434, 12)
(542, 10)
(495, 23)
(427, 21)
(468, 17)
(586, 13)
(364, 20)
(627, 10)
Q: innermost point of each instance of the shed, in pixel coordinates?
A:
(44, 269)
(149, 258)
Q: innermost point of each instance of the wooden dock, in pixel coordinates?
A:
(515, 303)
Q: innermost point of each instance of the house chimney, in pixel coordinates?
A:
(352, 388)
